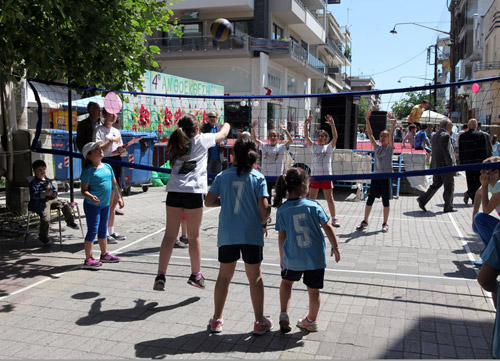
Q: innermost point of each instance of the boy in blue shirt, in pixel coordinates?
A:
(43, 198)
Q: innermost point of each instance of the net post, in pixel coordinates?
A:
(70, 137)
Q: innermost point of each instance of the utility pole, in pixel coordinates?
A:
(452, 57)
(435, 74)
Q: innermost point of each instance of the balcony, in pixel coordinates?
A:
(487, 66)
(206, 46)
(213, 6)
(300, 19)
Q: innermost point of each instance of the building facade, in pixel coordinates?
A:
(283, 47)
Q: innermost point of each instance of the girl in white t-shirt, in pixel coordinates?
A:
(187, 151)
(322, 163)
(272, 156)
(110, 140)
(482, 223)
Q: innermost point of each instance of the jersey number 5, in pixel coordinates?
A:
(302, 234)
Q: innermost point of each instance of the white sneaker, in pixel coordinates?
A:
(335, 222)
(117, 236)
(112, 240)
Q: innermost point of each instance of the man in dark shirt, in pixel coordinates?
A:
(87, 126)
(473, 147)
(215, 154)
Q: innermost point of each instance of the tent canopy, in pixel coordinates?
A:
(428, 116)
(51, 96)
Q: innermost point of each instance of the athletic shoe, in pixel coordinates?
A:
(72, 225)
(200, 282)
(109, 258)
(306, 324)
(117, 236)
(269, 220)
(118, 212)
(284, 322)
(215, 324)
(260, 328)
(362, 226)
(159, 283)
(385, 228)
(179, 244)
(111, 240)
(91, 263)
(46, 240)
(335, 222)
(184, 239)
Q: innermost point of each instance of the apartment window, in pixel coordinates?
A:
(242, 27)
(294, 40)
(277, 32)
(291, 85)
(305, 45)
(189, 30)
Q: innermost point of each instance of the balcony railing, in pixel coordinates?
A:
(316, 63)
(298, 52)
(335, 48)
(487, 66)
(205, 43)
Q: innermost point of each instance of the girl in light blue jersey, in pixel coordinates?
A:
(302, 245)
(241, 192)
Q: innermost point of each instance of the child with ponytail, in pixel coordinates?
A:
(241, 192)
(301, 244)
(188, 152)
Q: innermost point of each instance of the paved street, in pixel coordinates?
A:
(408, 293)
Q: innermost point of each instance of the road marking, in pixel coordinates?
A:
(58, 275)
(326, 269)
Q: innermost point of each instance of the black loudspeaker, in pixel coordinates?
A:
(378, 121)
(345, 115)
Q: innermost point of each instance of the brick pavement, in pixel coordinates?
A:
(408, 293)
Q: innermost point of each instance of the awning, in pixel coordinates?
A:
(81, 104)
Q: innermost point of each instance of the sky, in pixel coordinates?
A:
(387, 57)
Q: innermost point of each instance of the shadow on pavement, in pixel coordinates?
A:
(357, 234)
(205, 342)
(420, 214)
(139, 312)
(439, 337)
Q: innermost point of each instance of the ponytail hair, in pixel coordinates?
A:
(180, 139)
(245, 152)
(289, 182)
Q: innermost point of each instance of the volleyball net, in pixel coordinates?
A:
(283, 116)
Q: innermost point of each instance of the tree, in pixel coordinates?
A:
(93, 42)
(362, 110)
(403, 107)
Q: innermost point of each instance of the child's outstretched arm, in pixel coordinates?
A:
(212, 200)
(332, 237)
(393, 127)
(264, 213)
(254, 134)
(306, 130)
(288, 136)
(335, 136)
(369, 129)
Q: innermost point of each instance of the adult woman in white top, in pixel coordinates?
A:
(110, 141)
(188, 153)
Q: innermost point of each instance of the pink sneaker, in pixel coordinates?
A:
(91, 263)
(260, 328)
(109, 258)
(216, 324)
(307, 324)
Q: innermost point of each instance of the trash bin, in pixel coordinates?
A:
(60, 141)
(140, 152)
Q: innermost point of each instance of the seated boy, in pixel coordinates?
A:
(43, 198)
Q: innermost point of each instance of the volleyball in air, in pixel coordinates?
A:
(221, 29)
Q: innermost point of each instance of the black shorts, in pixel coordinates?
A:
(250, 253)
(118, 171)
(185, 200)
(312, 278)
(380, 188)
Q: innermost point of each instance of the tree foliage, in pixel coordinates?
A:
(89, 42)
(403, 107)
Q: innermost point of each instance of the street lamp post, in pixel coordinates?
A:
(452, 58)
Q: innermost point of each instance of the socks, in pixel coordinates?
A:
(197, 275)
(111, 230)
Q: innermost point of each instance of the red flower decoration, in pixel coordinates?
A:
(143, 117)
(159, 129)
(178, 114)
(205, 116)
(134, 128)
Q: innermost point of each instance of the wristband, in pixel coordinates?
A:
(334, 248)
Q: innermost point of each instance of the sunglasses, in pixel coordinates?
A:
(212, 116)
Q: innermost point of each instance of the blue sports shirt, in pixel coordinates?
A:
(304, 247)
(100, 183)
(239, 218)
